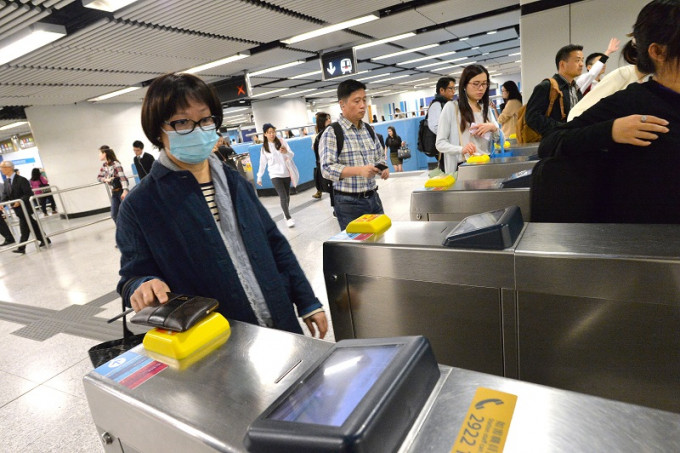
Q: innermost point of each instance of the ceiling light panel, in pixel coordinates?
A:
(333, 12)
(330, 28)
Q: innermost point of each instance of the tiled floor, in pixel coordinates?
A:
(54, 305)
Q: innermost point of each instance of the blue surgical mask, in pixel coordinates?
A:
(194, 147)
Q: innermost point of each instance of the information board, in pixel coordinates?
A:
(338, 63)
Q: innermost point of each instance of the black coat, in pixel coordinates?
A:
(539, 102)
(143, 164)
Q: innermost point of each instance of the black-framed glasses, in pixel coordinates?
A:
(479, 84)
(187, 126)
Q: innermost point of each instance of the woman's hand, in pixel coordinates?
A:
(259, 183)
(469, 149)
(123, 195)
(638, 130)
(483, 128)
(149, 293)
(321, 323)
(283, 149)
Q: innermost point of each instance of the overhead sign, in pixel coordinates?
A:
(232, 89)
(338, 63)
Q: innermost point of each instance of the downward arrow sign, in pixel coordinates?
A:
(330, 68)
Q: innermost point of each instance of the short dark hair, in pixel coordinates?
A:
(443, 83)
(564, 52)
(658, 22)
(170, 92)
(591, 58)
(138, 144)
(348, 87)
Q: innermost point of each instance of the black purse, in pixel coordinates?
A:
(116, 184)
(178, 314)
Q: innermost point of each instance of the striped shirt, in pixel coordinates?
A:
(114, 170)
(358, 149)
(208, 190)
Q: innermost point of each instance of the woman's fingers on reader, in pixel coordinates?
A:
(638, 130)
(321, 323)
(149, 293)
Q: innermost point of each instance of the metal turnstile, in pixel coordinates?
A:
(497, 167)
(209, 406)
(466, 198)
(586, 307)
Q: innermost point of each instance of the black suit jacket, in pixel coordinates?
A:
(143, 164)
(21, 188)
(538, 106)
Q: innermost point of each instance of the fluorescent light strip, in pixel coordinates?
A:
(229, 112)
(383, 41)
(423, 84)
(330, 29)
(392, 78)
(214, 64)
(298, 92)
(374, 77)
(492, 32)
(13, 125)
(415, 60)
(113, 94)
(306, 74)
(404, 52)
(107, 5)
(334, 90)
(441, 63)
(268, 92)
(276, 68)
(417, 80)
(350, 75)
(378, 92)
(515, 54)
(29, 39)
(464, 39)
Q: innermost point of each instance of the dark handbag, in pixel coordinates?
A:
(178, 314)
(404, 152)
(321, 183)
(116, 184)
(103, 352)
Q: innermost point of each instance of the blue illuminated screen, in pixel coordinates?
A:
(337, 386)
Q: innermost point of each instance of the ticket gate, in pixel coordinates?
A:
(497, 167)
(209, 406)
(585, 307)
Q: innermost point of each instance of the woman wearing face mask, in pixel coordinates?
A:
(195, 226)
(274, 154)
(466, 127)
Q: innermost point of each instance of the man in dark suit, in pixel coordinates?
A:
(17, 187)
(143, 161)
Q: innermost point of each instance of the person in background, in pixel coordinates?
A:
(143, 161)
(512, 103)
(595, 67)
(375, 119)
(290, 134)
(37, 181)
(354, 168)
(466, 127)
(323, 120)
(445, 90)
(5, 232)
(111, 173)
(224, 152)
(392, 145)
(616, 80)
(628, 141)
(195, 226)
(274, 154)
(17, 187)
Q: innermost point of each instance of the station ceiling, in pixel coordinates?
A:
(104, 52)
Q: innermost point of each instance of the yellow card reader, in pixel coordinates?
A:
(482, 159)
(445, 180)
(370, 223)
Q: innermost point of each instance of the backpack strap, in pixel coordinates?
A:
(340, 136)
(555, 93)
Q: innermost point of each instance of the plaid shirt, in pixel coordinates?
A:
(111, 171)
(358, 150)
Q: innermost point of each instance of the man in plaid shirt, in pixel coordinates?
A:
(353, 169)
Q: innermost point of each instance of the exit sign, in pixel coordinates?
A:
(338, 63)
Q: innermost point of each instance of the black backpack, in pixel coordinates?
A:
(426, 138)
(340, 136)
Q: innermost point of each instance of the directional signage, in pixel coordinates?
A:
(232, 89)
(338, 63)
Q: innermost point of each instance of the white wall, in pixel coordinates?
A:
(280, 112)
(69, 137)
(590, 23)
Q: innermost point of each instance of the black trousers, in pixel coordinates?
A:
(5, 231)
(23, 224)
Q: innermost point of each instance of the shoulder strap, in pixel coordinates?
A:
(555, 93)
(339, 137)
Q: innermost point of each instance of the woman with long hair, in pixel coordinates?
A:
(393, 143)
(195, 226)
(112, 174)
(625, 146)
(323, 120)
(274, 154)
(37, 181)
(512, 103)
(466, 127)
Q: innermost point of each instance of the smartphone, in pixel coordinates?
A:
(380, 167)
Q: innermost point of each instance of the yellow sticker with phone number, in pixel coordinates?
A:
(487, 422)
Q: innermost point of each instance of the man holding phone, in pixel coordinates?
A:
(353, 161)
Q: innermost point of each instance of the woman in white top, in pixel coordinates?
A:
(466, 127)
(274, 154)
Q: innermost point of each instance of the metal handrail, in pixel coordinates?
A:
(18, 244)
(59, 192)
(51, 188)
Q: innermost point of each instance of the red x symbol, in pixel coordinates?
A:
(240, 90)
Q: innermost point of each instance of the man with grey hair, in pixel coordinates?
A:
(17, 187)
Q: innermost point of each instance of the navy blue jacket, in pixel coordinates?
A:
(166, 230)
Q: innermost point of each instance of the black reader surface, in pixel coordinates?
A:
(493, 230)
(362, 396)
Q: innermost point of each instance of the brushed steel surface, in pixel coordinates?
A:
(527, 149)
(495, 168)
(428, 205)
(208, 406)
(509, 328)
(550, 420)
